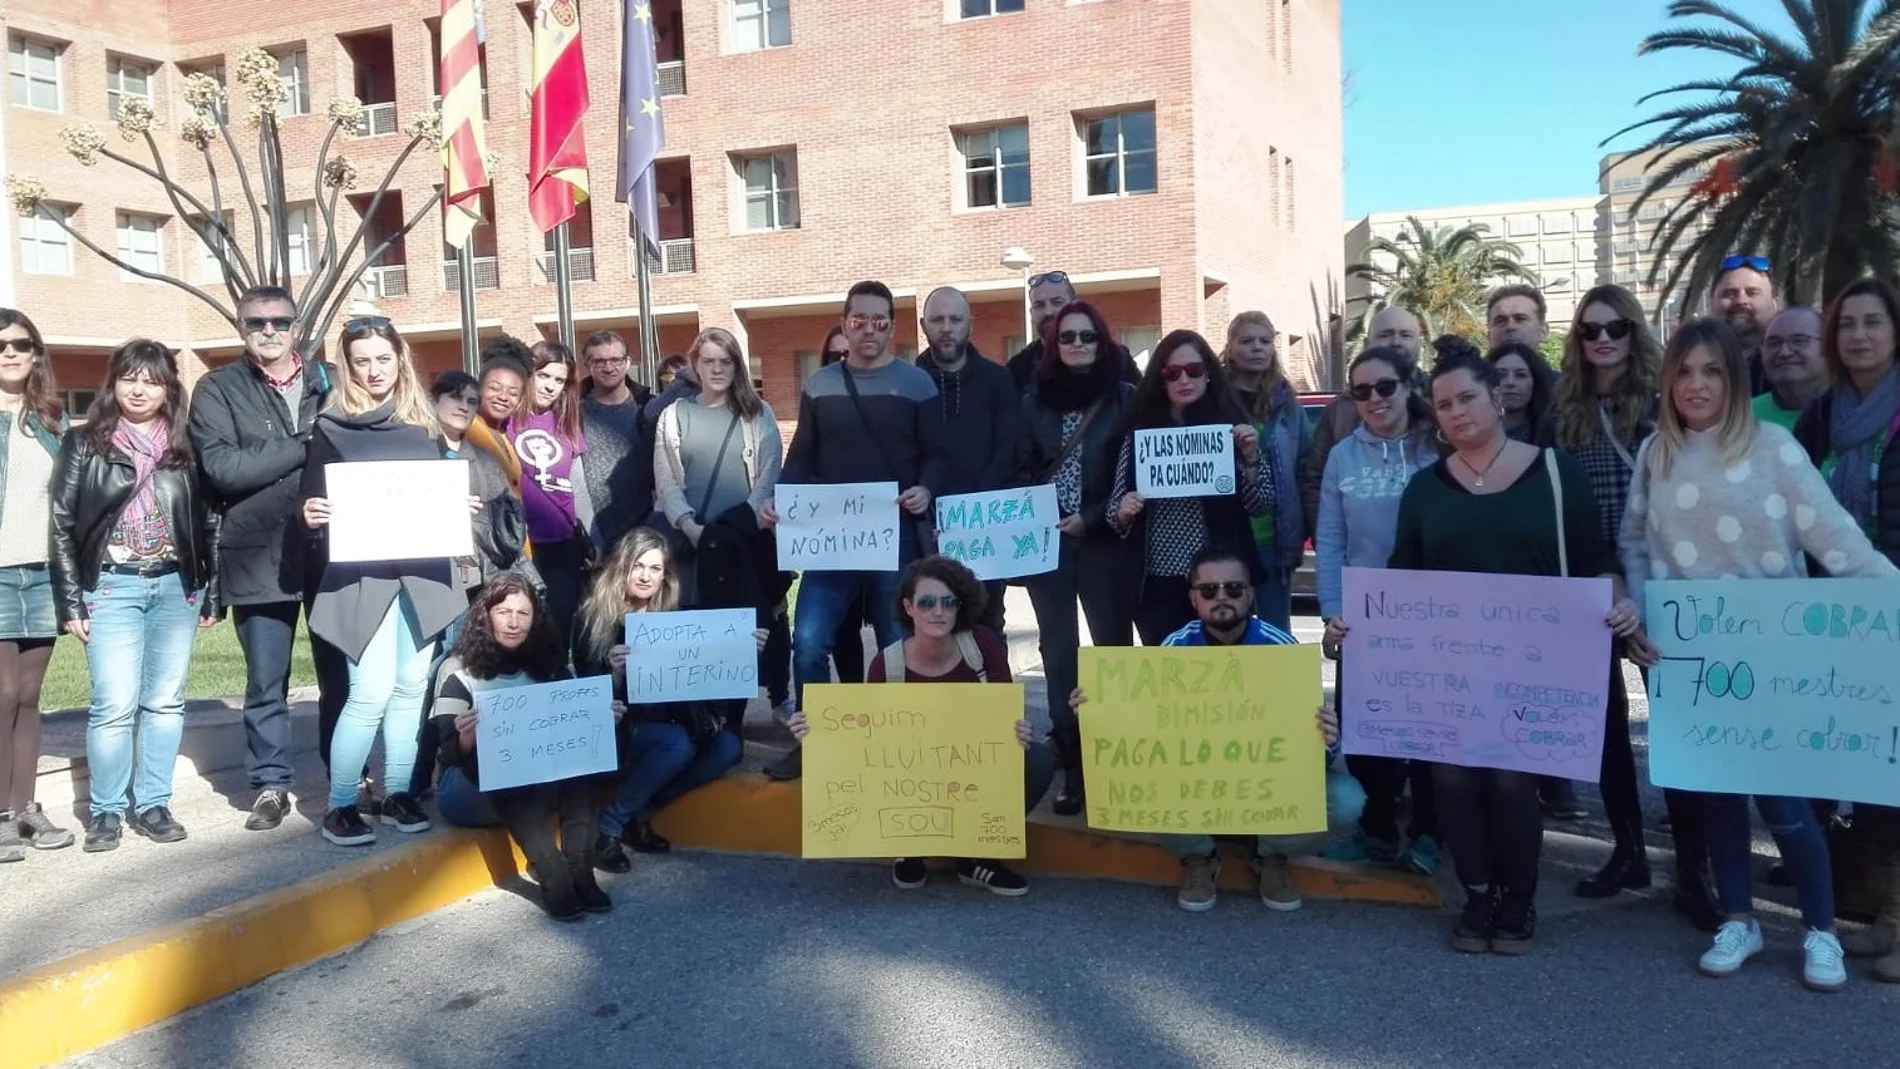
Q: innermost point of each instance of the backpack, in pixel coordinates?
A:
(894, 670)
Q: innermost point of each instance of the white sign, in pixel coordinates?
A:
(696, 655)
(545, 732)
(837, 527)
(1001, 534)
(399, 510)
(1184, 461)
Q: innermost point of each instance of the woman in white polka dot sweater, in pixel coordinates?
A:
(1718, 495)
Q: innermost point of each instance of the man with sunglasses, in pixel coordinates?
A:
(250, 421)
(1744, 295)
(1050, 293)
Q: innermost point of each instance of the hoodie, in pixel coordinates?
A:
(981, 410)
(1359, 504)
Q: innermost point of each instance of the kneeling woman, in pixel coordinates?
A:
(510, 642)
(939, 602)
(676, 746)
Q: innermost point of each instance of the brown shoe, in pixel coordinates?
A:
(1198, 883)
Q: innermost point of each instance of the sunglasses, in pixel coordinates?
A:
(253, 324)
(1758, 263)
(1173, 372)
(1363, 391)
(18, 345)
(367, 323)
(859, 322)
(1229, 591)
(1047, 276)
(947, 602)
(1078, 337)
(1617, 329)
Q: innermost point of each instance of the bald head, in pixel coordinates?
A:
(1395, 328)
(946, 326)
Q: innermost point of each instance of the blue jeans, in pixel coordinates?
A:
(1798, 836)
(823, 599)
(460, 804)
(666, 765)
(386, 686)
(1344, 800)
(1273, 594)
(139, 652)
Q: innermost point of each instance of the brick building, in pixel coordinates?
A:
(1179, 158)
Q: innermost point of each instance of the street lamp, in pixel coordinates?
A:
(1017, 258)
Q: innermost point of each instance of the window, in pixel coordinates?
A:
(808, 362)
(1557, 254)
(771, 191)
(33, 73)
(1140, 343)
(139, 243)
(78, 403)
(758, 24)
(297, 231)
(206, 266)
(291, 68)
(996, 167)
(126, 78)
(45, 249)
(1120, 153)
(976, 9)
(1012, 344)
(216, 72)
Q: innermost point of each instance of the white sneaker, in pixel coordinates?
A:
(1825, 968)
(1735, 943)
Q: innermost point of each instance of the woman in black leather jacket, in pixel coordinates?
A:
(1072, 423)
(132, 564)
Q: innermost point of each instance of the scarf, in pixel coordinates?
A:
(1063, 389)
(1855, 427)
(142, 528)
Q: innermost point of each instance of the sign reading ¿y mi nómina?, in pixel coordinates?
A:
(837, 527)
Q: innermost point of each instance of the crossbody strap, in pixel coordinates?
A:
(1557, 498)
(894, 670)
(877, 440)
(712, 483)
(1074, 441)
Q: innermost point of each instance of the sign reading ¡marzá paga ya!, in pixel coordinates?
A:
(1000, 534)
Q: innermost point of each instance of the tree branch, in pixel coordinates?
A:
(322, 296)
(178, 195)
(250, 197)
(323, 262)
(274, 199)
(223, 313)
(329, 313)
(217, 208)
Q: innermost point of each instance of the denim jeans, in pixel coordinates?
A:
(139, 652)
(428, 741)
(823, 599)
(386, 686)
(1273, 594)
(460, 804)
(1100, 576)
(666, 765)
(1344, 800)
(266, 633)
(1798, 836)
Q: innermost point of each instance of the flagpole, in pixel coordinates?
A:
(649, 332)
(471, 343)
(563, 289)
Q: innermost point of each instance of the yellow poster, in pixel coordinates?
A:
(1211, 740)
(913, 770)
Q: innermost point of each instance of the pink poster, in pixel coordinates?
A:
(1487, 671)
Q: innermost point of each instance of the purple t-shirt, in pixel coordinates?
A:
(547, 459)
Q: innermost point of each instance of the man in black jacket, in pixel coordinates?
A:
(1048, 294)
(981, 411)
(250, 421)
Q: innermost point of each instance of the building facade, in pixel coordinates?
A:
(1630, 256)
(1179, 159)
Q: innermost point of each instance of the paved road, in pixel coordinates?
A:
(726, 961)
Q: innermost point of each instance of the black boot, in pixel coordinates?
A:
(1516, 923)
(1694, 899)
(1627, 870)
(1472, 933)
(558, 896)
(1070, 800)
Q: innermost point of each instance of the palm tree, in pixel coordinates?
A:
(1440, 274)
(1797, 145)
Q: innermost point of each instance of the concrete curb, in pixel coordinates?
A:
(73, 1005)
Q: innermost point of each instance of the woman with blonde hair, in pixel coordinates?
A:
(384, 616)
(1760, 512)
(1252, 360)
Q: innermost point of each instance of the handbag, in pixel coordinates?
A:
(924, 528)
(1074, 440)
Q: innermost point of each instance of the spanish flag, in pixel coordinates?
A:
(464, 141)
(557, 154)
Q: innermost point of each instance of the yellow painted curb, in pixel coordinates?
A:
(78, 1003)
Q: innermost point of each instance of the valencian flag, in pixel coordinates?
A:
(642, 131)
(557, 154)
(464, 141)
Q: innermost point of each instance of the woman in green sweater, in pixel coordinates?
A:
(1490, 507)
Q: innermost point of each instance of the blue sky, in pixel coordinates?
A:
(1453, 102)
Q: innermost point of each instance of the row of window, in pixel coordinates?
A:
(35, 77)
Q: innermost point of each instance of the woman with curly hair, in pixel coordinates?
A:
(510, 641)
(939, 604)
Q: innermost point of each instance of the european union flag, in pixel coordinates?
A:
(642, 131)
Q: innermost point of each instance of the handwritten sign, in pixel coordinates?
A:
(1486, 671)
(913, 770)
(837, 527)
(1776, 686)
(1001, 534)
(1184, 461)
(545, 732)
(398, 510)
(1206, 740)
(695, 655)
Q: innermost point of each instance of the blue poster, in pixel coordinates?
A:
(1776, 686)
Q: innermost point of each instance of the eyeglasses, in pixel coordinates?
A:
(1363, 391)
(858, 321)
(1227, 591)
(365, 323)
(947, 602)
(606, 361)
(1078, 337)
(1757, 263)
(1617, 329)
(1173, 372)
(254, 324)
(1048, 276)
(18, 345)
(1775, 344)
